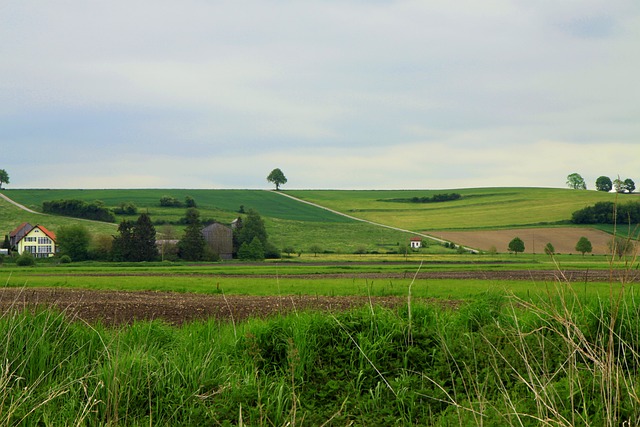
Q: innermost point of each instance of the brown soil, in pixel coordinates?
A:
(121, 307)
(563, 239)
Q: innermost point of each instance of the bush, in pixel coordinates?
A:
(26, 260)
(126, 208)
(65, 259)
(171, 202)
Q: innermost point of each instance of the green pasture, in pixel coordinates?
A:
(446, 289)
(221, 205)
(289, 223)
(328, 278)
(479, 208)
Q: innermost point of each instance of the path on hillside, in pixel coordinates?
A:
(23, 207)
(426, 236)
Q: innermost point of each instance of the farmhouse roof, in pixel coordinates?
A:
(42, 228)
(49, 233)
(20, 228)
(415, 239)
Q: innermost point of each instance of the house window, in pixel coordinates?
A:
(44, 241)
(44, 249)
(30, 239)
(31, 249)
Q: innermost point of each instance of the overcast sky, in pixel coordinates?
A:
(345, 94)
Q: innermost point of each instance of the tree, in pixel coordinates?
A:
(144, 240)
(583, 246)
(576, 181)
(314, 249)
(73, 241)
(192, 245)
(603, 183)
(252, 226)
(516, 245)
(253, 251)
(122, 247)
(621, 246)
(190, 202)
(277, 177)
(629, 185)
(4, 177)
(549, 249)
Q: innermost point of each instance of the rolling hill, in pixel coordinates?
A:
(300, 225)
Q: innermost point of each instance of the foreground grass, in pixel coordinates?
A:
(563, 360)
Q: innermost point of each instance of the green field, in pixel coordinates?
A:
(289, 223)
(479, 208)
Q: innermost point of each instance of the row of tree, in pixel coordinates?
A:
(603, 183)
(608, 213)
(79, 209)
(136, 241)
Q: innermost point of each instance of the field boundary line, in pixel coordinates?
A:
(436, 239)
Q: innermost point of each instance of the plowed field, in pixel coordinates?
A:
(563, 239)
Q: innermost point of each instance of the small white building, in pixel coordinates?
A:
(415, 242)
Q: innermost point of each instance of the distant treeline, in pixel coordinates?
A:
(79, 209)
(445, 197)
(603, 213)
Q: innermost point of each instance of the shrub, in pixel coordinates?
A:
(126, 208)
(171, 202)
(65, 259)
(26, 260)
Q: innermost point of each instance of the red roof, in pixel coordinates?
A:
(414, 239)
(50, 234)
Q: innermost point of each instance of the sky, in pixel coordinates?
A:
(338, 94)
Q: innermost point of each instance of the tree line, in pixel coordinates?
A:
(603, 183)
(608, 213)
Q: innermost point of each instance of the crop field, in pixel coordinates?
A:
(477, 209)
(563, 239)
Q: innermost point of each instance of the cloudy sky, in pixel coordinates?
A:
(345, 94)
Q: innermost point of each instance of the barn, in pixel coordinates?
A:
(219, 238)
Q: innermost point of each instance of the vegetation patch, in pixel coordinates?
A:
(436, 198)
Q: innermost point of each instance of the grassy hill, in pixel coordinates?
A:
(288, 222)
(478, 208)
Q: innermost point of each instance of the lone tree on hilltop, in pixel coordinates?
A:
(583, 246)
(629, 185)
(604, 183)
(516, 245)
(277, 177)
(4, 177)
(576, 181)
